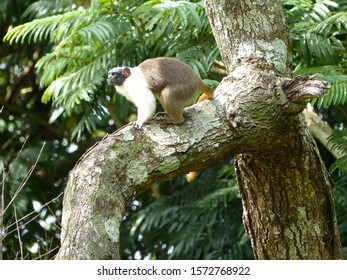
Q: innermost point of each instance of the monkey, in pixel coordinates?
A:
(169, 80)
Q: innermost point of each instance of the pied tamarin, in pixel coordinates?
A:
(169, 80)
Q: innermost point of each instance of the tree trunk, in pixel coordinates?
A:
(255, 115)
(289, 211)
(288, 206)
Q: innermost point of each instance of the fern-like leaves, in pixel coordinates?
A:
(338, 140)
(187, 223)
(86, 43)
(318, 46)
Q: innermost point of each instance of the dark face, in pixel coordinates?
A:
(117, 76)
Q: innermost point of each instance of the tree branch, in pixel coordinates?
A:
(320, 130)
(132, 159)
(302, 88)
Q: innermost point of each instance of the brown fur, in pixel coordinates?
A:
(174, 83)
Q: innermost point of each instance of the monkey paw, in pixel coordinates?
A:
(137, 124)
(159, 114)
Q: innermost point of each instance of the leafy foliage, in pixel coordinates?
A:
(45, 8)
(201, 220)
(339, 141)
(72, 48)
(35, 156)
(340, 195)
(318, 31)
(88, 42)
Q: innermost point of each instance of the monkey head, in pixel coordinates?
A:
(117, 76)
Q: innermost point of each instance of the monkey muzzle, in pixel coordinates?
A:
(111, 80)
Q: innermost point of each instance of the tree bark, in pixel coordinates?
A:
(288, 206)
(255, 116)
(285, 188)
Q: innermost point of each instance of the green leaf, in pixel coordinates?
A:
(340, 165)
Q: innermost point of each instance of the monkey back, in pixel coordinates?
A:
(165, 72)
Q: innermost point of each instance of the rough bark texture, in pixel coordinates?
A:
(286, 191)
(287, 201)
(285, 188)
(250, 30)
(116, 169)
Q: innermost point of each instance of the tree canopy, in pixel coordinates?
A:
(56, 104)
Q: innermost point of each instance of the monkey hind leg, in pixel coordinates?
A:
(207, 93)
(172, 107)
(175, 115)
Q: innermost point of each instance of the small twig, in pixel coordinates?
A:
(45, 254)
(8, 231)
(2, 203)
(9, 171)
(62, 229)
(18, 232)
(25, 180)
(50, 210)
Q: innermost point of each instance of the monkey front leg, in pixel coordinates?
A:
(145, 110)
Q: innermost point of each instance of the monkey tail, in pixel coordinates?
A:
(191, 176)
(207, 93)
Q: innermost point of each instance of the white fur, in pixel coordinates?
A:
(135, 88)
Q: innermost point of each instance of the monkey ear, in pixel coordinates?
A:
(126, 72)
